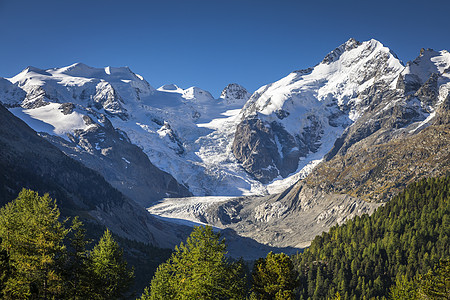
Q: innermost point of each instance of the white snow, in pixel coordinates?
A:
(189, 134)
(50, 119)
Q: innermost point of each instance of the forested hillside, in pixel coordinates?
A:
(363, 258)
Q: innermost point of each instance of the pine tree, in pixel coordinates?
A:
(436, 283)
(78, 281)
(109, 276)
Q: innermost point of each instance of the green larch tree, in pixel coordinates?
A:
(274, 277)
(110, 277)
(198, 269)
(34, 238)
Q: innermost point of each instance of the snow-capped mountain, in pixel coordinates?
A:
(185, 132)
(392, 128)
(237, 144)
(235, 94)
(298, 118)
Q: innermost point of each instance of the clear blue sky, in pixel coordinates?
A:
(210, 43)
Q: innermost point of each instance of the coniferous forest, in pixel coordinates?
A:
(400, 252)
(364, 258)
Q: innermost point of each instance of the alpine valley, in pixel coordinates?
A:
(272, 169)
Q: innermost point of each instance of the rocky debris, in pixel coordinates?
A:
(291, 219)
(376, 171)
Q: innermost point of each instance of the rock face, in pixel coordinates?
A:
(124, 165)
(29, 161)
(80, 116)
(235, 94)
(393, 131)
(304, 112)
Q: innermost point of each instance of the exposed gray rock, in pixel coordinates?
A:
(235, 94)
(291, 219)
(67, 108)
(122, 164)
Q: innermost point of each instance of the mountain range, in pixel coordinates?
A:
(279, 166)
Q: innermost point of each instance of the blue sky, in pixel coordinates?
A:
(210, 43)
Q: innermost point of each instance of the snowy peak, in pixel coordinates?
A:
(106, 73)
(235, 94)
(346, 72)
(336, 53)
(197, 94)
(427, 63)
(302, 115)
(171, 88)
(105, 89)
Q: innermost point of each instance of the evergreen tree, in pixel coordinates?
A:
(274, 277)
(33, 236)
(198, 269)
(109, 276)
(365, 256)
(77, 277)
(436, 283)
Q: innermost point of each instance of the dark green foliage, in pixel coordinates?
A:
(145, 258)
(364, 257)
(274, 277)
(77, 277)
(198, 269)
(433, 285)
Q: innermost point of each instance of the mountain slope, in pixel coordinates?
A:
(305, 112)
(184, 132)
(399, 134)
(29, 161)
(363, 257)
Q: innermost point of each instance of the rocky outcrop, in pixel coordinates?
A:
(234, 94)
(124, 165)
(267, 150)
(291, 219)
(308, 110)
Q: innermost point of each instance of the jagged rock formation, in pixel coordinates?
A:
(235, 94)
(304, 112)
